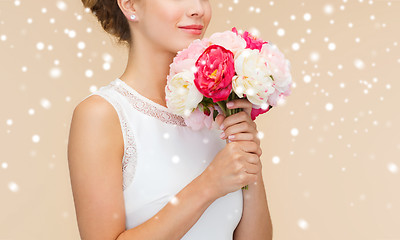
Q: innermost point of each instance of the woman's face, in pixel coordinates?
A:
(160, 21)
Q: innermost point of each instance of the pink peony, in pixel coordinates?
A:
(279, 68)
(273, 98)
(216, 69)
(228, 40)
(201, 117)
(195, 120)
(209, 121)
(186, 58)
(251, 41)
(212, 61)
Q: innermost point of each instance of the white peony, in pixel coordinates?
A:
(252, 77)
(181, 95)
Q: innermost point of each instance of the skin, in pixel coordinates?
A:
(96, 146)
(255, 205)
(157, 39)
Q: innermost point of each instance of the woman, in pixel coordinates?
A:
(137, 171)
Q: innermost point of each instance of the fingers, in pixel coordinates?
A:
(247, 146)
(242, 127)
(219, 119)
(257, 150)
(241, 103)
(237, 118)
(250, 164)
(239, 127)
(252, 158)
(241, 137)
(251, 168)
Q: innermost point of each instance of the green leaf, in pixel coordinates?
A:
(215, 114)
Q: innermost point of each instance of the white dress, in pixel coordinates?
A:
(161, 156)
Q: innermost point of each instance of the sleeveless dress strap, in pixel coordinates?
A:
(129, 160)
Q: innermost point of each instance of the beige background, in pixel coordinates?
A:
(331, 152)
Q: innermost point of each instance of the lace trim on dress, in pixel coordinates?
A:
(149, 108)
(129, 159)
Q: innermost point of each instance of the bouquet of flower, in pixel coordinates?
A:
(227, 65)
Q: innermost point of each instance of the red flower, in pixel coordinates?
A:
(215, 70)
(252, 42)
(255, 112)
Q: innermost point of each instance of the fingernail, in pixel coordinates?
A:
(222, 135)
(229, 104)
(221, 127)
(231, 137)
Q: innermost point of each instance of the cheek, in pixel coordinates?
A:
(168, 13)
(161, 23)
(209, 13)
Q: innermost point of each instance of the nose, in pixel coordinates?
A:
(196, 8)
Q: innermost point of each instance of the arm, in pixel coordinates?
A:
(256, 220)
(174, 220)
(95, 151)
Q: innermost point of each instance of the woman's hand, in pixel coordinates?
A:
(239, 126)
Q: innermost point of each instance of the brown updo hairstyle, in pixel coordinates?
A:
(111, 19)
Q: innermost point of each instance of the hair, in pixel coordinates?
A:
(111, 19)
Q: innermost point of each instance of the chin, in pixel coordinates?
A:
(186, 44)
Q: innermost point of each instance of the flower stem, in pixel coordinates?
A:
(222, 105)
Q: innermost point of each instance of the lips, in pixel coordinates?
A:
(196, 27)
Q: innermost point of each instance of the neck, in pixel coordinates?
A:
(147, 70)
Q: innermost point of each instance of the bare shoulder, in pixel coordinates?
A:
(95, 151)
(95, 125)
(95, 106)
